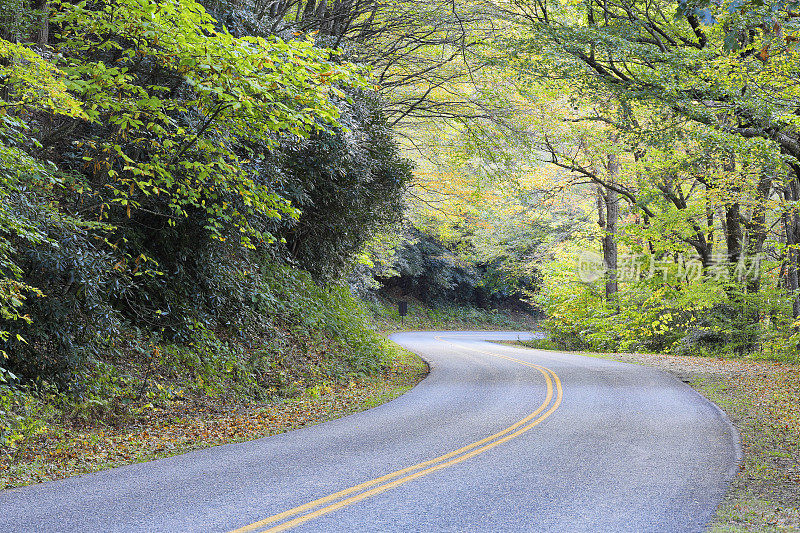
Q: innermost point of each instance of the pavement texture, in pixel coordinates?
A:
(614, 447)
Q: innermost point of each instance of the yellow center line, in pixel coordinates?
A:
(375, 486)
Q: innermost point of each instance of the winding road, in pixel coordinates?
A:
(496, 438)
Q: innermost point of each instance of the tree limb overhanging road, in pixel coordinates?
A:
(497, 438)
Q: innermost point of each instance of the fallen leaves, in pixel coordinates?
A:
(184, 426)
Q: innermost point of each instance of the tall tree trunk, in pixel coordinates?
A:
(757, 232)
(610, 255)
(709, 225)
(790, 223)
(733, 217)
(42, 35)
(733, 232)
(601, 209)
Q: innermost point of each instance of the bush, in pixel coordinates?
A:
(348, 183)
(705, 318)
(22, 416)
(136, 195)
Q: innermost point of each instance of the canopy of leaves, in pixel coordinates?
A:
(136, 189)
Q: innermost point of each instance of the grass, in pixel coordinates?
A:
(66, 449)
(762, 399)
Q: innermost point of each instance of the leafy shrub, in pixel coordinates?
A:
(292, 333)
(134, 200)
(709, 317)
(347, 183)
(22, 416)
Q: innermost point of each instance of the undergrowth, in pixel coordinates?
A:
(177, 427)
(295, 337)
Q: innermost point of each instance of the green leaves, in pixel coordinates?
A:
(215, 98)
(32, 83)
(132, 136)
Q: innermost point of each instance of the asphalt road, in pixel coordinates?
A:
(495, 439)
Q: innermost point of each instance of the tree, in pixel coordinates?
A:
(422, 54)
(126, 150)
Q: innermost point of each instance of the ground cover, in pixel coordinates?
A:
(70, 447)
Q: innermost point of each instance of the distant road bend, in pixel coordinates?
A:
(497, 438)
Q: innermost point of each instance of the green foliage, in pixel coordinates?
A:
(347, 183)
(425, 268)
(296, 335)
(311, 308)
(73, 271)
(421, 316)
(180, 104)
(22, 416)
(17, 19)
(31, 84)
(137, 198)
(442, 273)
(705, 317)
(292, 333)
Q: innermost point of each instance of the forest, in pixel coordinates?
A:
(227, 194)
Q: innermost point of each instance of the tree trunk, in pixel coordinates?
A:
(733, 217)
(42, 36)
(757, 232)
(610, 255)
(790, 223)
(733, 232)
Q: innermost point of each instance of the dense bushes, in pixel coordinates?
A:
(294, 335)
(437, 273)
(151, 163)
(707, 317)
(346, 182)
(72, 316)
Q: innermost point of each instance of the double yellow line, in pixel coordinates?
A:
(328, 504)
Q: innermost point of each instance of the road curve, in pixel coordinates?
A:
(495, 439)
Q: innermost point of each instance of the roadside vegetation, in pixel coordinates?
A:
(190, 194)
(315, 360)
(420, 317)
(174, 228)
(209, 209)
(67, 447)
